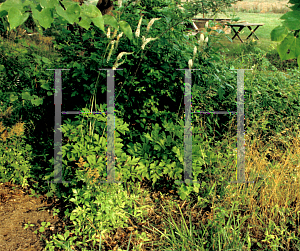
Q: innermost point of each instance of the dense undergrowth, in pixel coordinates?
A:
(149, 136)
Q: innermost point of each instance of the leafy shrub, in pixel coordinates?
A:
(149, 89)
(14, 152)
(24, 86)
(90, 144)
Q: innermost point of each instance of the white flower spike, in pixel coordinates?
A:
(117, 64)
(190, 64)
(201, 38)
(108, 32)
(146, 41)
(194, 52)
(151, 23)
(137, 32)
(111, 49)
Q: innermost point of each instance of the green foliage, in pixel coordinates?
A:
(95, 206)
(14, 152)
(288, 34)
(162, 155)
(206, 6)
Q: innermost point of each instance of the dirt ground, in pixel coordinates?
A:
(17, 208)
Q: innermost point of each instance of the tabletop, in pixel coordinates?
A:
(246, 24)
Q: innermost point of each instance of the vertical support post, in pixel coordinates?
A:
(110, 127)
(188, 144)
(57, 128)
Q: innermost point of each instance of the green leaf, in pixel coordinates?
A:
(36, 101)
(45, 86)
(99, 22)
(26, 96)
(220, 93)
(292, 20)
(47, 3)
(16, 18)
(289, 47)
(96, 136)
(45, 17)
(279, 33)
(85, 22)
(91, 11)
(71, 14)
(91, 159)
(12, 97)
(60, 237)
(110, 20)
(125, 27)
(67, 234)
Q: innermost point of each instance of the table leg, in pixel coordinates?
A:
(252, 32)
(237, 33)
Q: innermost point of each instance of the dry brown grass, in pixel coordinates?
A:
(262, 6)
(270, 6)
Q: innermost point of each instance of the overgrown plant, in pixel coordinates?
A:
(288, 34)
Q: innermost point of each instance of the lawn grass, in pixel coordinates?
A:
(270, 21)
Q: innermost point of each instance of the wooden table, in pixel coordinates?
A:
(242, 26)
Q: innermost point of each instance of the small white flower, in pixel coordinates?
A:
(206, 24)
(137, 32)
(206, 40)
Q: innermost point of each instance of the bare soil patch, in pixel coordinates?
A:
(17, 208)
